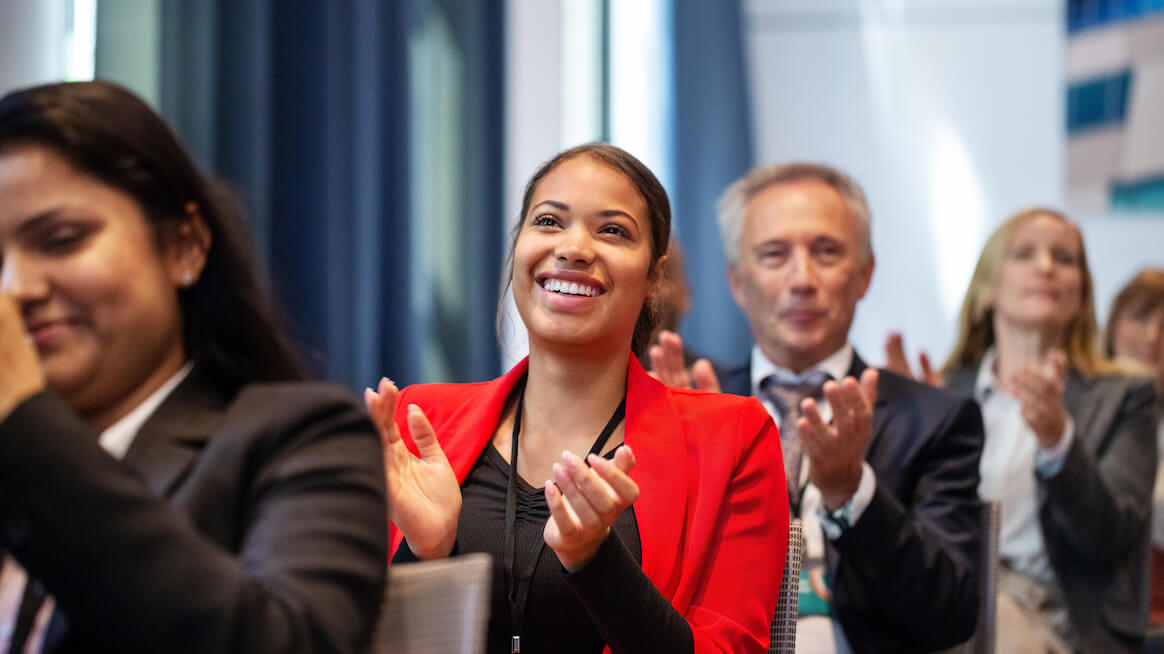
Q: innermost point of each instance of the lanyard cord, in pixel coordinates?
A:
(518, 598)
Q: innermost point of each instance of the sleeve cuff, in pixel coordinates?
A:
(610, 553)
(1048, 463)
(834, 523)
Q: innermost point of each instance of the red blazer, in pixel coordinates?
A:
(712, 509)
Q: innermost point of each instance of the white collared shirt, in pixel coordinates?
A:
(116, 440)
(117, 437)
(816, 634)
(836, 365)
(1011, 459)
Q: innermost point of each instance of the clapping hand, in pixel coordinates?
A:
(668, 367)
(424, 499)
(584, 502)
(20, 373)
(835, 451)
(896, 361)
(1039, 387)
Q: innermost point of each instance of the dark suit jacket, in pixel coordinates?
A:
(905, 575)
(1094, 513)
(248, 525)
(711, 511)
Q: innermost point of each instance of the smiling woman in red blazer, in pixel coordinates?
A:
(670, 534)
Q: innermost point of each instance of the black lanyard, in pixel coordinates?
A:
(516, 606)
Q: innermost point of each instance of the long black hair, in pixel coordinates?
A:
(658, 211)
(106, 132)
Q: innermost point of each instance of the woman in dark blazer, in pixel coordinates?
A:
(670, 535)
(168, 483)
(1070, 446)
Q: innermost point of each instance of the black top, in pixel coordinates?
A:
(609, 602)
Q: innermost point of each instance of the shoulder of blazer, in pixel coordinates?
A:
(961, 382)
(735, 380)
(443, 399)
(1117, 384)
(892, 386)
(284, 407)
(1089, 398)
(701, 405)
(291, 399)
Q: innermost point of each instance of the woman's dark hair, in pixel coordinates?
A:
(658, 212)
(106, 132)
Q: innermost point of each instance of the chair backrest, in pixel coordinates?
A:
(435, 606)
(782, 633)
(982, 642)
(983, 639)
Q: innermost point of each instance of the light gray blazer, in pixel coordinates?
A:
(1096, 511)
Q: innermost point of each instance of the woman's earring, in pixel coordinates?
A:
(187, 279)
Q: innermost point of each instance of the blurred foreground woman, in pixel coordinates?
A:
(620, 513)
(168, 483)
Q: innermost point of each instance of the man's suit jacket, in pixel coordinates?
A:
(711, 511)
(1095, 512)
(256, 524)
(905, 575)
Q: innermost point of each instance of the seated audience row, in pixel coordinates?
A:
(1067, 446)
(172, 482)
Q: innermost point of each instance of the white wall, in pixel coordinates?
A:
(554, 96)
(32, 47)
(950, 114)
(533, 123)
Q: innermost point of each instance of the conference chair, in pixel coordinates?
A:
(782, 633)
(435, 607)
(982, 642)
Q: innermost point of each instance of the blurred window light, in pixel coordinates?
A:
(80, 39)
(583, 74)
(641, 100)
(957, 214)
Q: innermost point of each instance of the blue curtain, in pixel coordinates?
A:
(305, 106)
(713, 148)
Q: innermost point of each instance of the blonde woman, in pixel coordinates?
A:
(1070, 446)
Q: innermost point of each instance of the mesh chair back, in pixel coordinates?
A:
(982, 642)
(988, 583)
(782, 633)
(435, 606)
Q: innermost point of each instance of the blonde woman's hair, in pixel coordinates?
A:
(976, 321)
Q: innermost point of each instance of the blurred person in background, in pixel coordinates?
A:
(882, 470)
(671, 304)
(170, 483)
(667, 532)
(1070, 446)
(1135, 337)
